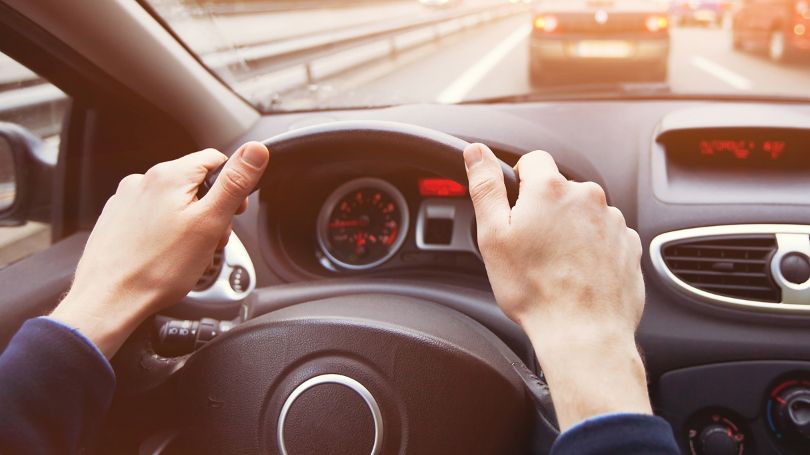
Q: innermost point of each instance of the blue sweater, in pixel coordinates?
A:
(55, 388)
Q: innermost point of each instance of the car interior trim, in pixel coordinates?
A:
(460, 212)
(791, 243)
(235, 256)
(796, 300)
(339, 379)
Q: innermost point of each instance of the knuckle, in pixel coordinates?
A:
(617, 215)
(481, 189)
(534, 157)
(538, 155)
(159, 171)
(594, 193)
(127, 182)
(556, 185)
(234, 182)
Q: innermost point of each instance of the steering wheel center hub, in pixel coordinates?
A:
(330, 413)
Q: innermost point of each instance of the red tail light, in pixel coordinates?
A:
(803, 9)
(546, 23)
(657, 23)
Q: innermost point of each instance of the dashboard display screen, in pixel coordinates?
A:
(736, 149)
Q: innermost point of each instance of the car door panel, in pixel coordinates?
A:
(34, 285)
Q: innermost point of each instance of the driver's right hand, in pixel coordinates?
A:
(563, 264)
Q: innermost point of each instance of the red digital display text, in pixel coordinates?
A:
(743, 149)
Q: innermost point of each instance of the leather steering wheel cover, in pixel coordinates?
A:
(403, 143)
(444, 383)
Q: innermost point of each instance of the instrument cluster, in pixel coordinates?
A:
(365, 222)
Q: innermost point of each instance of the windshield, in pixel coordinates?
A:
(309, 54)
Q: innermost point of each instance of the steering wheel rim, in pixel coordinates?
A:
(417, 145)
(147, 374)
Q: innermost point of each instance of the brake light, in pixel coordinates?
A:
(802, 8)
(657, 23)
(547, 23)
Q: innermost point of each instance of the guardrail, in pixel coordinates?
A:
(295, 63)
(253, 7)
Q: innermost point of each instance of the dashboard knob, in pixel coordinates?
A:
(719, 439)
(792, 413)
(795, 267)
(799, 414)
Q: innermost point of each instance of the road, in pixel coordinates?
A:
(493, 62)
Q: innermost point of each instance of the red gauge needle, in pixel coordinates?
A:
(391, 237)
(339, 224)
(359, 243)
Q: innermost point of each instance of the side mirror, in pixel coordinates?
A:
(26, 175)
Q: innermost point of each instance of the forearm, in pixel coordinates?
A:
(590, 374)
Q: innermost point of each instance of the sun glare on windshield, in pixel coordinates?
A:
(296, 55)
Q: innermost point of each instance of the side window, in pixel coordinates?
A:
(32, 103)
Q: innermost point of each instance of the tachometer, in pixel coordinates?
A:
(362, 223)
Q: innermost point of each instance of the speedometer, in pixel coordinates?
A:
(362, 223)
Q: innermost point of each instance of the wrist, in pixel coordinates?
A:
(104, 317)
(590, 371)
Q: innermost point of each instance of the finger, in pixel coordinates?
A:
(242, 207)
(237, 179)
(192, 168)
(538, 169)
(487, 189)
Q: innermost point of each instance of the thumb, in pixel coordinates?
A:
(487, 189)
(238, 178)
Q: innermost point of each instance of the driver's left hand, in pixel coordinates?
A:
(154, 240)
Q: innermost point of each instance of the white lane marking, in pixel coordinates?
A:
(724, 74)
(461, 87)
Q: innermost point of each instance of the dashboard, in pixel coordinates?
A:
(717, 191)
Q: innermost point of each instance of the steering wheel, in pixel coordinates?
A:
(365, 373)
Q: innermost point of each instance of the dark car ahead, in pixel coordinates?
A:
(572, 39)
(780, 27)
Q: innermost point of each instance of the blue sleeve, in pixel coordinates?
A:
(625, 434)
(55, 388)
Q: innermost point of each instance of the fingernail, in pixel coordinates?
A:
(473, 155)
(255, 154)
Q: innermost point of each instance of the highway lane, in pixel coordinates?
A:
(207, 33)
(493, 61)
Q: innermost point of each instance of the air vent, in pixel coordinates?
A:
(732, 266)
(211, 273)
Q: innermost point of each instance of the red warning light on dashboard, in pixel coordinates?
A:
(742, 149)
(434, 187)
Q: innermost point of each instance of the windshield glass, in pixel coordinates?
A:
(312, 54)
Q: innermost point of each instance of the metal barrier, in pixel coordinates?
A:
(305, 60)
